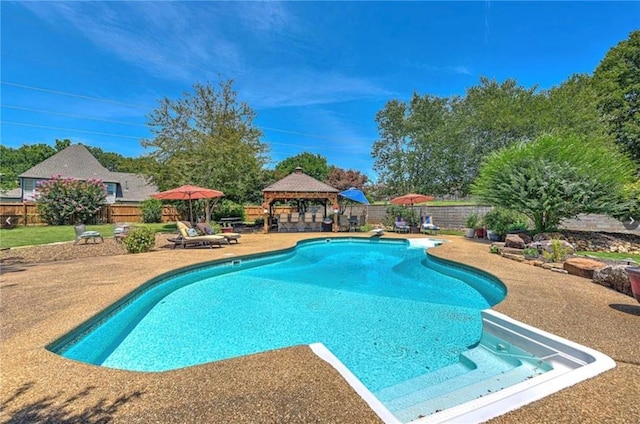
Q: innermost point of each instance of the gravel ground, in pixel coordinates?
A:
(42, 301)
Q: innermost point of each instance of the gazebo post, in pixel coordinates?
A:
(266, 213)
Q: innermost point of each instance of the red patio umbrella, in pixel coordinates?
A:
(411, 198)
(188, 192)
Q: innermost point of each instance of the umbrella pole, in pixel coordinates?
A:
(190, 211)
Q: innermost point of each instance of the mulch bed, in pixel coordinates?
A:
(67, 251)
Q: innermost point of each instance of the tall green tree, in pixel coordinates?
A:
(557, 177)
(617, 81)
(314, 165)
(435, 145)
(391, 150)
(14, 162)
(572, 108)
(206, 138)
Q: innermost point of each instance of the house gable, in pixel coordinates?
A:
(77, 162)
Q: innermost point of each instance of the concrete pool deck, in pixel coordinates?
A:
(40, 302)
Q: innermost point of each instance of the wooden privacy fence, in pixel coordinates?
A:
(444, 216)
(12, 214)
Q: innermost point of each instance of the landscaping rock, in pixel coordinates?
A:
(514, 257)
(583, 267)
(514, 241)
(615, 277)
(511, 250)
(524, 236)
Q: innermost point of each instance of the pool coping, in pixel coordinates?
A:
(588, 363)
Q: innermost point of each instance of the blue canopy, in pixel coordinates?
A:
(355, 195)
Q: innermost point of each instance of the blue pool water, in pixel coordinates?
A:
(390, 313)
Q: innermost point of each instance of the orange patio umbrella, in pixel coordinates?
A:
(411, 198)
(188, 192)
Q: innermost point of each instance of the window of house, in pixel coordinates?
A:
(28, 185)
(111, 189)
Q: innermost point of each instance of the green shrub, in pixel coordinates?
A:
(501, 221)
(140, 240)
(151, 211)
(410, 215)
(366, 227)
(67, 201)
(558, 251)
(228, 209)
(556, 177)
(493, 249)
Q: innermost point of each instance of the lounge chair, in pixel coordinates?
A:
(401, 226)
(428, 226)
(82, 233)
(187, 237)
(206, 229)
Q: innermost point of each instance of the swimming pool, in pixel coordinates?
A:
(398, 319)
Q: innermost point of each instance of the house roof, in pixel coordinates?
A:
(74, 162)
(14, 193)
(298, 181)
(77, 162)
(135, 188)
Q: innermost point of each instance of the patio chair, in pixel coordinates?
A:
(206, 229)
(428, 226)
(189, 237)
(121, 231)
(401, 226)
(82, 233)
(308, 221)
(294, 220)
(283, 222)
(343, 223)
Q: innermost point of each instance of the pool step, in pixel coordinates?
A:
(452, 385)
(464, 394)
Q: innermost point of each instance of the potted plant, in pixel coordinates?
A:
(471, 223)
(502, 221)
(634, 278)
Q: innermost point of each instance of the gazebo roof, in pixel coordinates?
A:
(299, 182)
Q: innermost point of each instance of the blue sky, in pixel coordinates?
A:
(316, 73)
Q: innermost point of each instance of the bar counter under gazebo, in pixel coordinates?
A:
(298, 186)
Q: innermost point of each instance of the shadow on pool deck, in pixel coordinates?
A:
(45, 301)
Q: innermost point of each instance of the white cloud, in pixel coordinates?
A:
(175, 41)
(284, 87)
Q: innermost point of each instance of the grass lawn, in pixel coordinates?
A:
(28, 236)
(613, 256)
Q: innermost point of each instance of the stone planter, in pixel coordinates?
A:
(469, 232)
(634, 278)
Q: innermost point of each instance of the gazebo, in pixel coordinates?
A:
(298, 185)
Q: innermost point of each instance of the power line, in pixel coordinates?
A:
(69, 115)
(344, 140)
(64, 93)
(25, 124)
(103, 100)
